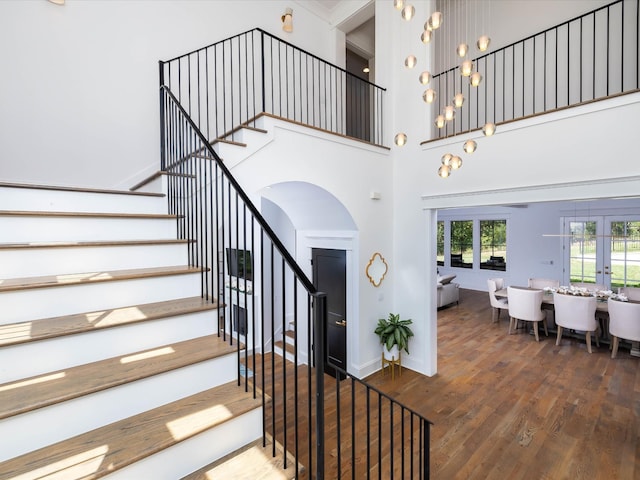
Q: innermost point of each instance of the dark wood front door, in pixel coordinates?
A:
(330, 276)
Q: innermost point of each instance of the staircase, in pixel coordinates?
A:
(110, 362)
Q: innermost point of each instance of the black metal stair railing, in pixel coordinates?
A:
(263, 293)
(234, 81)
(590, 57)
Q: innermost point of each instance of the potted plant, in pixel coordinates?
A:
(394, 335)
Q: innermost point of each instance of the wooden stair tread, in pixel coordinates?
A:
(110, 243)
(79, 189)
(157, 175)
(285, 346)
(45, 213)
(14, 284)
(251, 462)
(29, 394)
(255, 129)
(124, 442)
(228, 142)
(40, 329)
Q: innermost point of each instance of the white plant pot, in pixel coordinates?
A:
(390, 354)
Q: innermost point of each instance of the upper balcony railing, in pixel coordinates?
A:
(232, 82)
(587, 58)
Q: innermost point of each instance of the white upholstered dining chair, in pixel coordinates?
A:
(526, 304)
(624, 322)
(497, 304)
(632, 293)
(576, 313)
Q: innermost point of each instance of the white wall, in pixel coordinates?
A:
(79, 89)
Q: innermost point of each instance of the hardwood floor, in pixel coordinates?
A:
(506, 406)
(503, 406)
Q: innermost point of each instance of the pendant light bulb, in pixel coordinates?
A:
(446, 159)
(462, 50)
(449, 113)
(435, 20)
(444, 171)
(466, 68)
(398, 4)
(458, 100)
(408, 11)
(475, 79)
(400, 139)
(425, 77)
(470, 146)
(426, 36)
(489, 129)
(483, 43)
(440, 121)
(410, 61)
(455, 162)
(429, 95)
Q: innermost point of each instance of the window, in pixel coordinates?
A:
(440, 243)
(462, 243)
(625, 254)
(493, 244)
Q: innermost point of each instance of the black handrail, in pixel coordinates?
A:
(260, 73)
(575, 62)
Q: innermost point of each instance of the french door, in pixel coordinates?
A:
(602, 250)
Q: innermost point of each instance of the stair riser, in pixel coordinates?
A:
(25, 305)
(20, 263)
(73, 417)
(197, 451)
(28, 229)
(302, 356)
(31, 199)
(28, 359)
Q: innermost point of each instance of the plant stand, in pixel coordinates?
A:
(392, 362)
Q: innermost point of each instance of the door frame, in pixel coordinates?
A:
(306, 241)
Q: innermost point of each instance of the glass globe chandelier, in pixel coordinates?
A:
(458, 100)
(462, 50)
(440, 121)
(425, 77)
(446, 159)
(466, 68)
(398, 4)
(426, 36)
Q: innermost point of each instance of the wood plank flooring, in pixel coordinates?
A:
(503, 406)
(506, 406)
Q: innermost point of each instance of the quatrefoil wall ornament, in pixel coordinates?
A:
(376, 269)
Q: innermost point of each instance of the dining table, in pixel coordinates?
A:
(547, 298)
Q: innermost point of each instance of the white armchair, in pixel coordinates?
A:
(497, 304)
(526, 304)
(577, 313)
(624, 322)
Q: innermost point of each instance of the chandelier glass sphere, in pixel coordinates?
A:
(444, 171)
(410, 61)
(429, 95)
(458, 100)
(400, 139)
(466, 68)
(426, 36)
(470, 146)
(489, 129)
(449, 113)
(483, 43)
(440, 121)
(475, 79)
(462, 49)
(455, 162)
(425, 77)
(408, 11)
